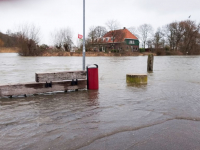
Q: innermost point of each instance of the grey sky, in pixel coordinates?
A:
(54, 14)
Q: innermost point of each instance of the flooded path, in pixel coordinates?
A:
(116, 116)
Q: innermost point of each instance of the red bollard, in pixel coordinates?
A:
(92, 77)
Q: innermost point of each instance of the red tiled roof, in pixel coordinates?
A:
(121, 35)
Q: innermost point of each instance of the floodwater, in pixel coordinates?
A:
(91, 119)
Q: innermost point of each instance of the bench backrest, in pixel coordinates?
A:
(60, 76)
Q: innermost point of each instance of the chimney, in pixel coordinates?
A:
(124, 27)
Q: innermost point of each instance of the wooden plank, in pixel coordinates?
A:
(60, 76)
(34, 88)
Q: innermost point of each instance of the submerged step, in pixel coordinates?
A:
(136, 78)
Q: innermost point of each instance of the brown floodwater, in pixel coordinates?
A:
(78, 120)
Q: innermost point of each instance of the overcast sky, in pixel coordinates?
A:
(50, 15)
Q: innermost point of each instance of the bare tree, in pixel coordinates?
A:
(113, 26)
(133, 30)
(67, 39)
(178, 32)
(163, 42)
(96, 35)
(174, 32)
(157, 39)
(1, 43)
(145, 32)
(57, 39)
(92, 34)
(183, 36)
(100, 31)
(189, 41)
(169, 36)
(28, 38)
(150, 43)
(63, 39)
(9, 39)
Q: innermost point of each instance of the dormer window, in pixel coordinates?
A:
(131, 42)
(107, 39)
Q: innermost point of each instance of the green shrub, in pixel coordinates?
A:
(142, 50)
(167, 48)
(114, 51)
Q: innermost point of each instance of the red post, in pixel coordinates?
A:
(92, 77)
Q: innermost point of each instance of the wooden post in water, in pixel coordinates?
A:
(150, 63)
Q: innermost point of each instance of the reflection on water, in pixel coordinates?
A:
(76, 119)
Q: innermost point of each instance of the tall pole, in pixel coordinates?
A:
(83, 35)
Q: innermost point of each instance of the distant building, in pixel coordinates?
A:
(122, 40)
(73, 49)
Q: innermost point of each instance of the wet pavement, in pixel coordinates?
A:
(172, 134)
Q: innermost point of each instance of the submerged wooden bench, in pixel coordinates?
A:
(47, 82)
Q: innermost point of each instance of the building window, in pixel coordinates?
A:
(107, 39)
(131, 42)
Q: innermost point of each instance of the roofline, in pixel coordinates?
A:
(111, 42)
(131, 38)
(114, 42)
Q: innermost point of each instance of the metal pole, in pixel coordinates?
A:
(83, 35)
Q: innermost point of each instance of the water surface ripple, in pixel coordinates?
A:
(76, 119)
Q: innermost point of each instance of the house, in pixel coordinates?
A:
(122, 40)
